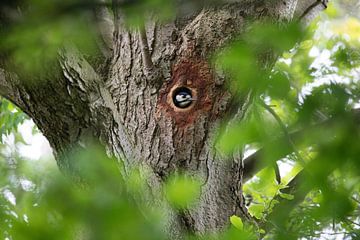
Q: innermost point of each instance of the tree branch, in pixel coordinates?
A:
(80, 72)
(253, 164)
(8, 89)
(306, 10)
(105, 23)
(5, 88)
(313, 6)
(115, 7)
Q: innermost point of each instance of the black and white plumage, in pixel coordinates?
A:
(182, 98)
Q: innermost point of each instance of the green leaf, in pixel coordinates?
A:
(236, 222)
(257, 210)
(182, 190)
(286, 196)
(279, 85)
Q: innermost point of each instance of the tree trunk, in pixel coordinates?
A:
(127, 102)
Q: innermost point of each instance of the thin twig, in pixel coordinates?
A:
(287, 135)
(355, 200)
(352, 222)
(284, 129)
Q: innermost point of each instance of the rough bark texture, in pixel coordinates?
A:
(126, 101)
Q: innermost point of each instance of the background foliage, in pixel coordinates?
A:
(303, 119)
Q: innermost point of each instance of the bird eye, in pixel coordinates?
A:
(182, 97)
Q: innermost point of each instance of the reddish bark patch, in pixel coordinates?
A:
(195, 75)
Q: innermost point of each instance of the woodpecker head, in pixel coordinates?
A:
(182, 97)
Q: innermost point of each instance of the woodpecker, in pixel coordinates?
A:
(183, 98)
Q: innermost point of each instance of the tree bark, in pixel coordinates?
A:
(124, 98)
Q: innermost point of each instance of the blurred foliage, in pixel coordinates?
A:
(37, 202)
(302, 117)
(137, 13)
(182, 191)
(57, 209)
(35, 31)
